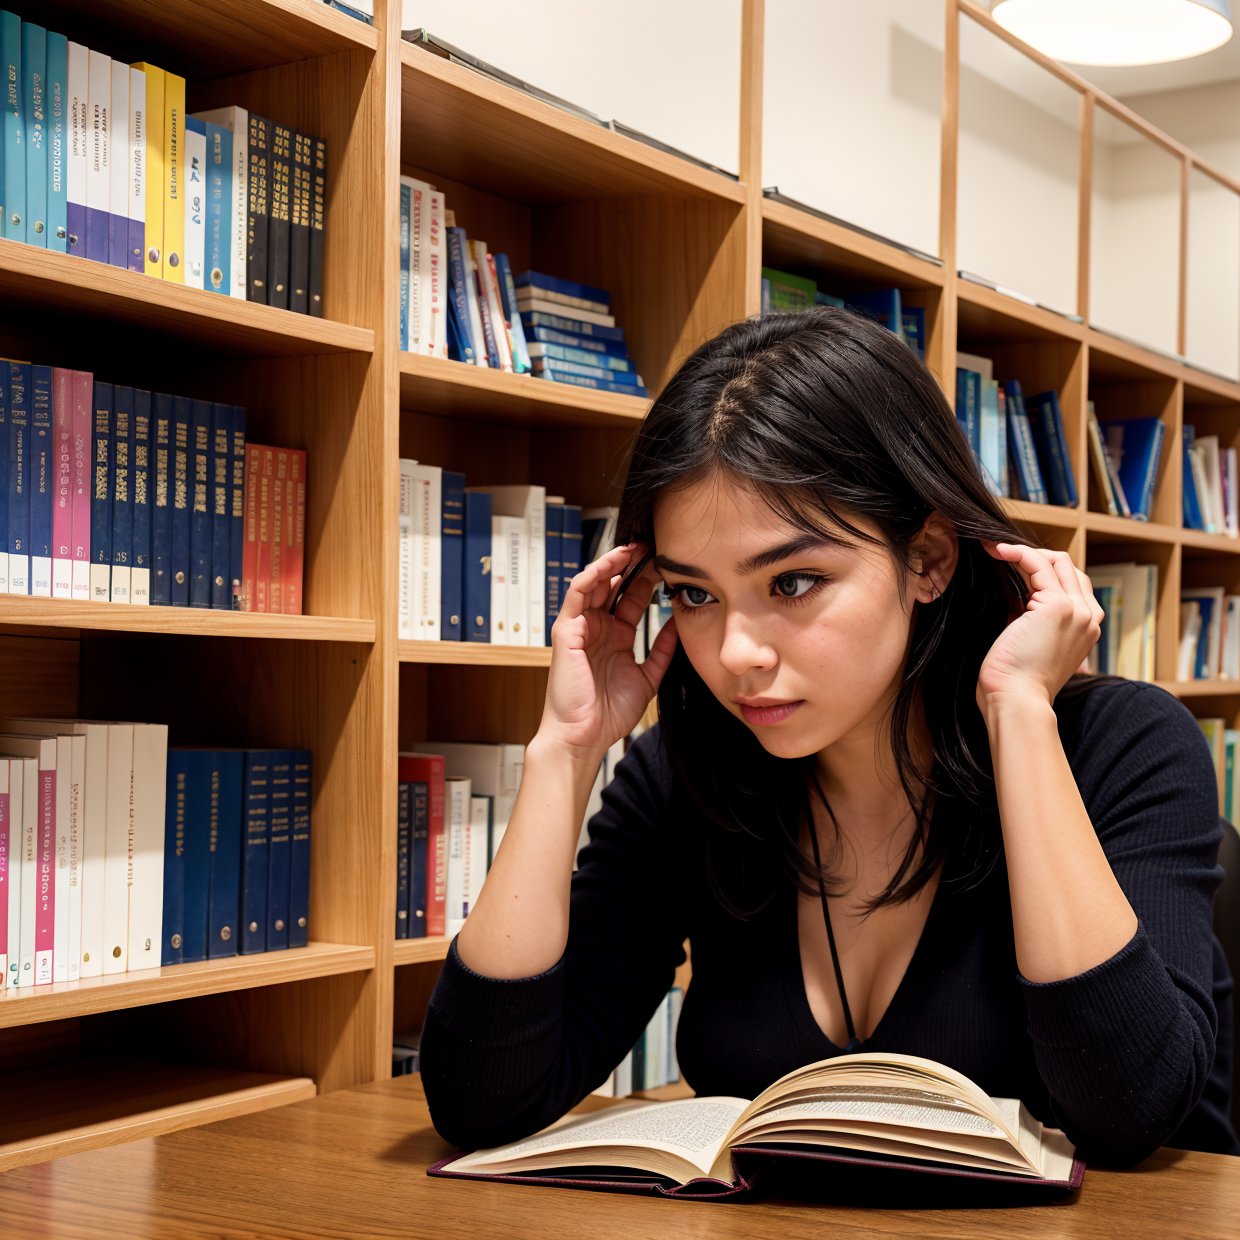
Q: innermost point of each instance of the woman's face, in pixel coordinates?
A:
(803, 641)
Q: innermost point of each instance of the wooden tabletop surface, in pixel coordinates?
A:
(353, 1164)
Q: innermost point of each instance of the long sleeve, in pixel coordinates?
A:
(503, 1058)
(1125, 1048)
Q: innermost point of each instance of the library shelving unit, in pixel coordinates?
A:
(680, 248)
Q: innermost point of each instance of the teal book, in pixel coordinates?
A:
(56, 104)
(34, 106)
(14, 128)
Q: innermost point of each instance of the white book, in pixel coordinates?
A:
(195, 206)
(427, 532)
(1212, 481)
(119, 834)
(624, 1076)
(76, 838)
(407, 626)
(237, 122)
(99, 156)
(1190, 635)
(1231, 495)
(24, 808)
(1214, 631)
(477, 849)
(136, 184)
(983, 366)
(64, 800)
(1197, 465)
(456, 829)
(78, 145)
(514, 552)
(419, 227)
(436, 262)
(656, 1047)
(530, 504)
(39, 806)
(7, 850)
(146, 896)
(529, 302)
(499, 582)
(13, 911)
(118, 171)
(493, 769)
(675, 1000)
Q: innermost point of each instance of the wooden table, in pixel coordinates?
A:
(352, 1164)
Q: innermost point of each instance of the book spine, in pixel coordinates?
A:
(161, 499)
(280, 817)
(555, 570)
(476, 575)
(200, 509)
(404, 829)
(19, 477)
(512, 315)
(458, 290)
(300, 208)
(299, 858)
(202, 821)
(173, 268)
(275, 562)
(136, 182)
(94, 819)
(150, 760)
(82, 388)
(122, 501)
(5, 865)
(605, 362)
(195, 202)
(585, 381)
(435, 262)
(34, 108)
(262, 564)
(419, 227)
(5, 469)
(42, 480)
(76, 850)
(318, 221)
(406, 223)
(14, 128)
(236, 510)
(57, 142)
(156, 167)
(570, 547)
(62, 483)
(119, 835)
(584, 344)
(25, 810)
(585, 294)
(280, 177)
(419, 805)
(452, 554)
(45, 909)
(118, 168)
(478, 293)
(217, 194)
(249, 557)
(238, 285)
(532, 320)
(99, 165)
(79, 148)
(259, 143)
(140, 494)
(295, 533)
(500, 601)
(60, 860)
(502, 333)
(224, 859)
(457, 811)
(182, 490)
(176, 824)
(254, 852)
(221, 515)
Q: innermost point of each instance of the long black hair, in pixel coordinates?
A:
(828, 417)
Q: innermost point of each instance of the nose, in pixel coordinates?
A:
(744, 647)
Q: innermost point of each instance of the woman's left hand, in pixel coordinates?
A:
(1043, 646)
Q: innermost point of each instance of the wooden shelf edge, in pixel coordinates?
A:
(164, 1098)
(34, 1004)
(477, 654)
(1044, 321)
(1042, 514)
(1136, 531)
(18, 611)
(420, 951)
(346, 33)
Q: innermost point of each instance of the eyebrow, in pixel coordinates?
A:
(763, 559)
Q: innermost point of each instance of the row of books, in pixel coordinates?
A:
(1128, 594)
(783, 292)
(1210, 485)
(1209, 635)
(406, 1052)
(116, 494)
(1223, 741)
(652, 1062)
(99, 159)
(1124, 455)
(236, 858)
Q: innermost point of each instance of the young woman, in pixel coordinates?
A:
(881, 804)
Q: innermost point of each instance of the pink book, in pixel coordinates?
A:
(62, 509)
(83, 394)
(45, 895)
(6, 835)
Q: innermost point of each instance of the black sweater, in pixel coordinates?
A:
(1122, 1057)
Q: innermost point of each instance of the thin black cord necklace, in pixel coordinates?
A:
(835, 957)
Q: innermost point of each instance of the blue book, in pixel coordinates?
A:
(565, 323)
(452, 557)
(598, 385)
(1028, 474)
(913, 329)
(220, 496)
(476, 583)
(19, 477)
(217, 226)
(1103, 595)
(1139, 441)
(555, 566)
(570, 547)
(101, 494)
(605, 364)
(404, 844)
(122, 496)
(14, 127)
(140, 493)
(176, 825)
(299, 857)
(512, 313)
(200, 504)
(224, 881)
(254, 851)
(34, 107)
(200, 810)
(454, 332)
(883, 304)
(419, 833)
(279, 848)
(57, 108)
(1201, 659)
(406, 213)
(969, 409)
(181, 500)
(458, 275)
(585, 344)
(539, 280)
(1193, 520)
(236, 505)
(160, 499)
(42, 480)
(1048, 434)
(554, 368)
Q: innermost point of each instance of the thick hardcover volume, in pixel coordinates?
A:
(160, 497)
(428, 769)
(200, 509)
(299, 854)
(295, 532)
(280, 200)
(140, 498)
(146, 904)
(174, 179)
(195, 201)
(555, 566)
(83, 479)
(318, 220)
(420, 810)
(236, 509)
(476, 576)
(176, 799)
(14, 128)
(221, 520)
(156, 165)
(277, 514)
(259, 208)
(19, 477)
(62, 503)
(99, 158)
(300, 210)
(235, 154)
(34, 105)
(42, 480)
(254, 852)
(201, 813)
(39, 878)
(458, 296)
(262, 563)
(182, 483)
(218, 220)
(78, 147)
(122, 499)
(1047, 423)
(249, 556)
(404, 840)
(118, 170)
(279, 844)
(224, 860)
(136, 186)
(452, 553)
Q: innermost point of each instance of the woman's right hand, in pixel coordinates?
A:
(597, 692)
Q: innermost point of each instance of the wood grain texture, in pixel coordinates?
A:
(39, 675)
(352, 1163)
(420, 951)
(753, 57)
(476, 654)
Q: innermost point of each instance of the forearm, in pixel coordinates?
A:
(519, 925)
(1068, 911)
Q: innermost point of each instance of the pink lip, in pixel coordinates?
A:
(766, 715)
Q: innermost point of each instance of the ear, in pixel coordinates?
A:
(936, 551)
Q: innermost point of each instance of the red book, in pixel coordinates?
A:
(428, 769)
(262, 570)
(294, 532)
(275, 574)
(249, 555)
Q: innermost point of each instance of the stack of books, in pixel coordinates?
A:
(1209, 635)
(1124, 455)
(1128, 594)
(1210, 485)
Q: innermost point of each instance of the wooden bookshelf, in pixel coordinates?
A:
(681, 248)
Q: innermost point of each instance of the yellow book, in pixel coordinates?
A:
(155, 123)
(174, 167)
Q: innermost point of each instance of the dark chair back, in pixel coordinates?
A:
(1227, 928)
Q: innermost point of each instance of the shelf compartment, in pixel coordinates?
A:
(33, 1004)
(474, 654)
(486, 134)
(44, 281)
(438, 386)
(1128, 530)
(985, 315)
(421, 951)
(29, 614)
(85, 1105)
(1042, 514)
(1115, 360)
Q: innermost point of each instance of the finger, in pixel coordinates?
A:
(657, 661)
(638, 595)
(581, 592)
(1031, 563)
(1067, 573)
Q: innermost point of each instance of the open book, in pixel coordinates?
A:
(877, 1109)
